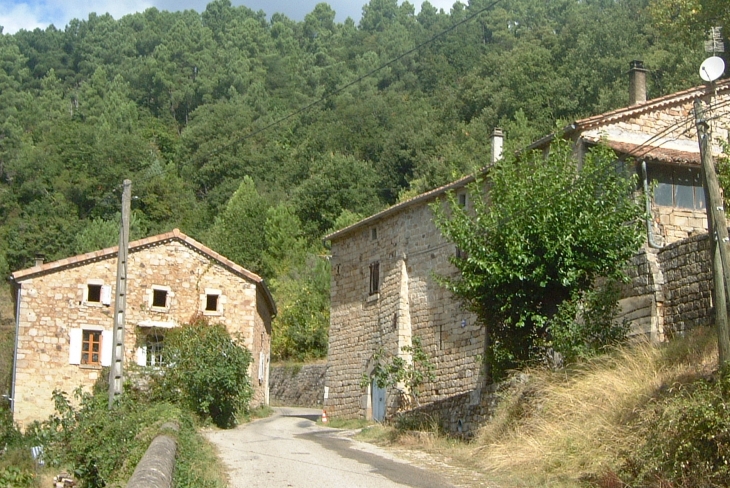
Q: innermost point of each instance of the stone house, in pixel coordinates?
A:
(382, 287)
(64, 316)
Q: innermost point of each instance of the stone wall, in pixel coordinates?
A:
(53, 305)
(409, 303)
(688, 284)
(297, 386)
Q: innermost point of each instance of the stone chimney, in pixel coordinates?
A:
(497, 143)
(39, 259)
(637, 83)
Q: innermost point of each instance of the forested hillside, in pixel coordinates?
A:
(184, 104)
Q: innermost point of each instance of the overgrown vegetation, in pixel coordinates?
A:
(206, 371)
(532, 249)
(206, 379)
(640, 416)
(409, 372)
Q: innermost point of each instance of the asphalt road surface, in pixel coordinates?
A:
(290, 449)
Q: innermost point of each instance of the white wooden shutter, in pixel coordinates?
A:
(142, 356)
(106, 294)
(262, 361)
(107, 343)
(74, 349)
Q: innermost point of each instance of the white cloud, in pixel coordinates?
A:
(34, 13)
(21, 16)
(30, 14)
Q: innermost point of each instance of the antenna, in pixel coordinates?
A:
(712, 68)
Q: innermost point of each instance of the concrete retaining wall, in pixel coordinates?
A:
(301, 386)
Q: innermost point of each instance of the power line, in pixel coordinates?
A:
(354, 82)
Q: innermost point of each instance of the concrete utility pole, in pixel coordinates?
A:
(116, 377)
(717, 225)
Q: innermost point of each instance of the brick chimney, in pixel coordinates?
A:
(637, 83)
(497, 143)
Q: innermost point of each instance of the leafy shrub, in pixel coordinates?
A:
(687, 439)
(207, 371)
(389, 372)
(585, 325)
(14, 477)
(102, 447)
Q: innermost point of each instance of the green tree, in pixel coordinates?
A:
(208, 369)
(239, 233)
(545, 232)
(690, 19)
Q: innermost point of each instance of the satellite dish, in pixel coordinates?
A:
(712, 68)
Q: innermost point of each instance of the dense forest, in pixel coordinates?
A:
(236, 128)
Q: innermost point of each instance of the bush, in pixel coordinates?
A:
(687, 439)
(207, 371)
(100, 446)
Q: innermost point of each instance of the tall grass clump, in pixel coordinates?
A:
(579, 424)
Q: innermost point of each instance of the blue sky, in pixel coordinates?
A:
(29, 14)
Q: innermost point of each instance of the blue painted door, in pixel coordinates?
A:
(378, 402)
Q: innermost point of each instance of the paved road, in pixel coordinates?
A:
(289, 449)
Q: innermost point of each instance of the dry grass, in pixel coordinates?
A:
(561, 427)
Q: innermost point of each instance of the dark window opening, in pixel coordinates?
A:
(91, 347)
(373, 233)
(211, 303)
(678, 187)
(159, 298)
(462, 200)
(374, 278)
(93, 293)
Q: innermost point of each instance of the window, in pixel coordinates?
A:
(93, 293)
(211, 303)
(159, 299)
(462, 200)
(374, 278)
(97, 293)
(373, 234)
(678, 187)
(150, 352)
(154, 351)
(91, 347)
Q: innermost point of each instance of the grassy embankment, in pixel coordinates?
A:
(642, 415)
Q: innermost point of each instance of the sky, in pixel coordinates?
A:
(30, 14)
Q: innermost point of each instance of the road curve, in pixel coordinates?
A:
(289, 449)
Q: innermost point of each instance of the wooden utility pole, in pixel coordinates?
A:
(116, 377)
(717, 225)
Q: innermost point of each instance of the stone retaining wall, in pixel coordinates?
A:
(301, 386)
(156, 467)
(688, 284)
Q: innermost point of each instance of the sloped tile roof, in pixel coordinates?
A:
(111, 252)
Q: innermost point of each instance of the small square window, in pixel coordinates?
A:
(93, 293)
(374, 278)
(159, 298)
(211, 302)
(91, 347)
